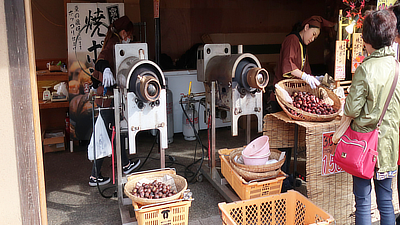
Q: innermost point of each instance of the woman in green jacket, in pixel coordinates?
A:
(369, 90)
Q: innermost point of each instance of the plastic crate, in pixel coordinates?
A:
(173, 213)
(248, 190)
(287, 208)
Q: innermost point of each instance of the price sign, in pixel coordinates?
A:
(358, 53)
(384, 4)
(328, 150)
(340, 60)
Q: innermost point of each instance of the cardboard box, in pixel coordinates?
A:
(53, 137)
(53, 141)
(54, 147)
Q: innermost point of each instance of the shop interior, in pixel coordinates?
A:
(173, 31)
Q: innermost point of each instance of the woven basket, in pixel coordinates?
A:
(275, 154)
(295, 85)
(180, 183)
(248, 176)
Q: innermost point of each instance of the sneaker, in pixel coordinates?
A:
(131, 166)
(101, 180)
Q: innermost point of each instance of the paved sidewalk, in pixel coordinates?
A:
(212, 220)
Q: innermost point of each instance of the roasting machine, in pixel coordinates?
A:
(234, 84)
(139, 104)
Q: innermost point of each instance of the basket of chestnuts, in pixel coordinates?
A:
(314, 105)
(152, 188)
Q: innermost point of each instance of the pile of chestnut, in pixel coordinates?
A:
(153, 190)
(311, 104)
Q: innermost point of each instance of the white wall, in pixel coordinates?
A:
(10, 212)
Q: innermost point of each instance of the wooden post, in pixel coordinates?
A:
(25, 112)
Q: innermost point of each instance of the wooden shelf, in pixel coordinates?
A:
(52, 114)
(47, 75)
(52, 105)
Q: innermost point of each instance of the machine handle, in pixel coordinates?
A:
(190, 88)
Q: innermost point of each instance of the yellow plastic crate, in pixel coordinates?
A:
(174, 213)
(244, 189)
(286, 208)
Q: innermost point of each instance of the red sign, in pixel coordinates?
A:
(328, 150)
(156, 6)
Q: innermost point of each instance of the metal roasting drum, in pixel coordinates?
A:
(143, 89)
(239, 79)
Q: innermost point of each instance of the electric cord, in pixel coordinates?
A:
(188, 173)
(148, 155)
(198, 139)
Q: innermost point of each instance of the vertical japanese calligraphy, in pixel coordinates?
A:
(328, 150)
(87, 25)
(358, 53)
(340, 60)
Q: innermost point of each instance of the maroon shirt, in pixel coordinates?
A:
(290, 58)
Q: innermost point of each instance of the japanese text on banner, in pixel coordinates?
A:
(340, 60)
(328, 150)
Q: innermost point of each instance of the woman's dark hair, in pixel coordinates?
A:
(122, 23)
(379, 28)
(298, 27)
(396, 11)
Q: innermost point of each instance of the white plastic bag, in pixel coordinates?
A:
(103, 143)
(61, 88)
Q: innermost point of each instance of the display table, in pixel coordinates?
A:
(326, 187)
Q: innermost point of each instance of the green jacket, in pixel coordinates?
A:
(368, 92)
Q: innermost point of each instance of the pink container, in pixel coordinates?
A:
(259, 146)
(257, 152)
(255, 160)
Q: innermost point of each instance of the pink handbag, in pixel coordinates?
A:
(356, 152)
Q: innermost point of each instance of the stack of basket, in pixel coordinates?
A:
(256, 172)
(296, 85)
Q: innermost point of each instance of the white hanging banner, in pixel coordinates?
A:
(87, 25)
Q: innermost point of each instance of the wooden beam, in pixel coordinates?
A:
(25, 123)
(35, 110)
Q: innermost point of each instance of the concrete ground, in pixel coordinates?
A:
(70, 200)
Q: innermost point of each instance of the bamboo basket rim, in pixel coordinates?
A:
(180, 183)
(300, 85)
(248, 176)
(275, 154)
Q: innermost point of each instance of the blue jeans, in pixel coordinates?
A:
(362, 193)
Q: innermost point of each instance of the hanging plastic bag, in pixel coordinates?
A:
(102, 141)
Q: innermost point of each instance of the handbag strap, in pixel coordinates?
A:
(396, 76)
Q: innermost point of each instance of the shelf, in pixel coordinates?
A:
(47, 75)
(52, 105)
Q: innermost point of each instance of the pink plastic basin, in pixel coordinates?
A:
(258, 147)
(255, 160)
(257, 152)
